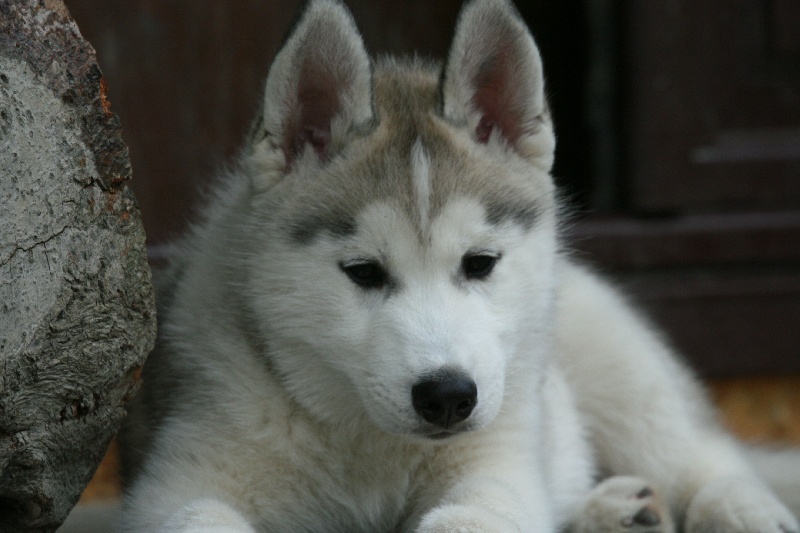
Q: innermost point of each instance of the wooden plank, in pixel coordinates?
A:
(712, 113)
(629, 243)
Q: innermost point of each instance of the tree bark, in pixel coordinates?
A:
(76, 304)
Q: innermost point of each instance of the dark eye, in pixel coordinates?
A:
(478, 266)
(367, 274)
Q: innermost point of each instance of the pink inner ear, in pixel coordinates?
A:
(318, 139)
(484, 129)
(317, 105)
(496, 98)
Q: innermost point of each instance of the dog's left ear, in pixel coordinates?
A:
(319, 86)
(493, 81)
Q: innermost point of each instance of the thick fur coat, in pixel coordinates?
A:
(375, 327)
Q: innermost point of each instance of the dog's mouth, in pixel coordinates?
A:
(444, 434)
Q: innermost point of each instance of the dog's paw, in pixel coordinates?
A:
(738, 505)
(623, 504)
(464, 519)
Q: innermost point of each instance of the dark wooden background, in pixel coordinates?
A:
(678, 126)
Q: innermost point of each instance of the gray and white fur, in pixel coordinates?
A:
(375, 327)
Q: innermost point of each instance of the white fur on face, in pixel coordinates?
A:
(370, 346)
(435, 318)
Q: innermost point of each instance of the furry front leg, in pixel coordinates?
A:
(491, 482)
(737, 504)
(463, 519)
(488, 506)
(207, 516)
(182, 497)
(532, 479)
(647, 416)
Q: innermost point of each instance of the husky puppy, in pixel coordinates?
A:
(375, 327)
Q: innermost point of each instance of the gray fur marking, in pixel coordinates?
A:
(305, 228)
(501, 211)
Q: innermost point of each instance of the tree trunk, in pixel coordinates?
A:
(76, 305)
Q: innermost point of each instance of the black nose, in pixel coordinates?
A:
(445, 398)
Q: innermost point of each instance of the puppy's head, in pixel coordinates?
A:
(403, 222)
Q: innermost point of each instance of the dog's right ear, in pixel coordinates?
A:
(318, 88)
(493, 81)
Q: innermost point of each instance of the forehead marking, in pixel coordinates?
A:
(505, 209)
(421, 178)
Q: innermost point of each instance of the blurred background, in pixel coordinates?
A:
(678, 123)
